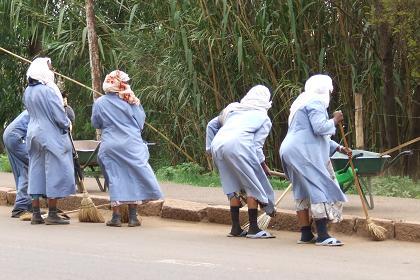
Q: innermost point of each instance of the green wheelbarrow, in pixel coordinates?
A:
(367, 164)
(87, 151)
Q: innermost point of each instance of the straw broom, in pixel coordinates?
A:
(87, 212)
(377, 232)
(124, 213)
(263, 220)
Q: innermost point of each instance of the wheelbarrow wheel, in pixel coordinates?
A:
(366, 187)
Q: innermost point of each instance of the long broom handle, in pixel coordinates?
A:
(358, 187)
(64, 76)
(400, 146)
(283, 194)
(77, 210)
(91, 89)
(281, 175)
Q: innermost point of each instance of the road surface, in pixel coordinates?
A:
(167, 249)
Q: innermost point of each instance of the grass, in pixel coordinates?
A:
(193, 174)
(4, 164)
(395, 186)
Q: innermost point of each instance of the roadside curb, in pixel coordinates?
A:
(220, 214)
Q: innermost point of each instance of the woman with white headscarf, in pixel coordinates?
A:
(51, 170)
(123, 155)
(235, 140)
(305, 155)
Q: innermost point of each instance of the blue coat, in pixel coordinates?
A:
(51, 170)
(305, 153)
(14, 140)
(123, 155)
(237, 150)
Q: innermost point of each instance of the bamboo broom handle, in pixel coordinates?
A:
(359, 189)
(400, 146)
(283, 194)
(91, 89)
(64, 76)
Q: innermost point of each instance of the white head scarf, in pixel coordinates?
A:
(39, 70)
(257, 98)
(116, 81)
(317, 87)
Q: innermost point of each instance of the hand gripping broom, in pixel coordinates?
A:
(377, 233)
(264, 219)
(88, 213)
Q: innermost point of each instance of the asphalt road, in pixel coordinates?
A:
(167, 249)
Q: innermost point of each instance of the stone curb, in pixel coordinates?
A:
(183, 210)
(199, 212)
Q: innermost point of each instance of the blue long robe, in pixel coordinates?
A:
(237, 150)
(14, 140)
(51, 170)
(305, 153)
(123, 155)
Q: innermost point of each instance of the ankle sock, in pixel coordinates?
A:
(321, 229)
(36, 210)
(234, 214)
(253, 225)
(306, 233)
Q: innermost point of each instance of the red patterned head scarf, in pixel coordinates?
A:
(116, 82)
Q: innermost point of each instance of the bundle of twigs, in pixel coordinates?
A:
(376, 232)
(264, 219)
(88, 213)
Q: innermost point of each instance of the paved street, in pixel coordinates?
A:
(167, 249)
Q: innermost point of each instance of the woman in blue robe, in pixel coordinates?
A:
(51, 170)
(235, 140)
(123, 155)
(305, 155)
(14, 139)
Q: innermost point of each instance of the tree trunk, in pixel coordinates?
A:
(386, 49)
(93, 53)
(358, 120)
(414, 162)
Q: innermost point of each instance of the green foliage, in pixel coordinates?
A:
(396, 186)
(189, 59)
(4, 164)
(393, 186)
(193, 174)
(188, 173)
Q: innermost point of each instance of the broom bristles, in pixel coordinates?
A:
(88, 212)
(377, 232)
(263, 221)
(124, 213)
(26, 217)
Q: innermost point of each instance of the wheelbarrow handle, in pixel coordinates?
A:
(352, 158)
(403, 153)
(77, 168)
